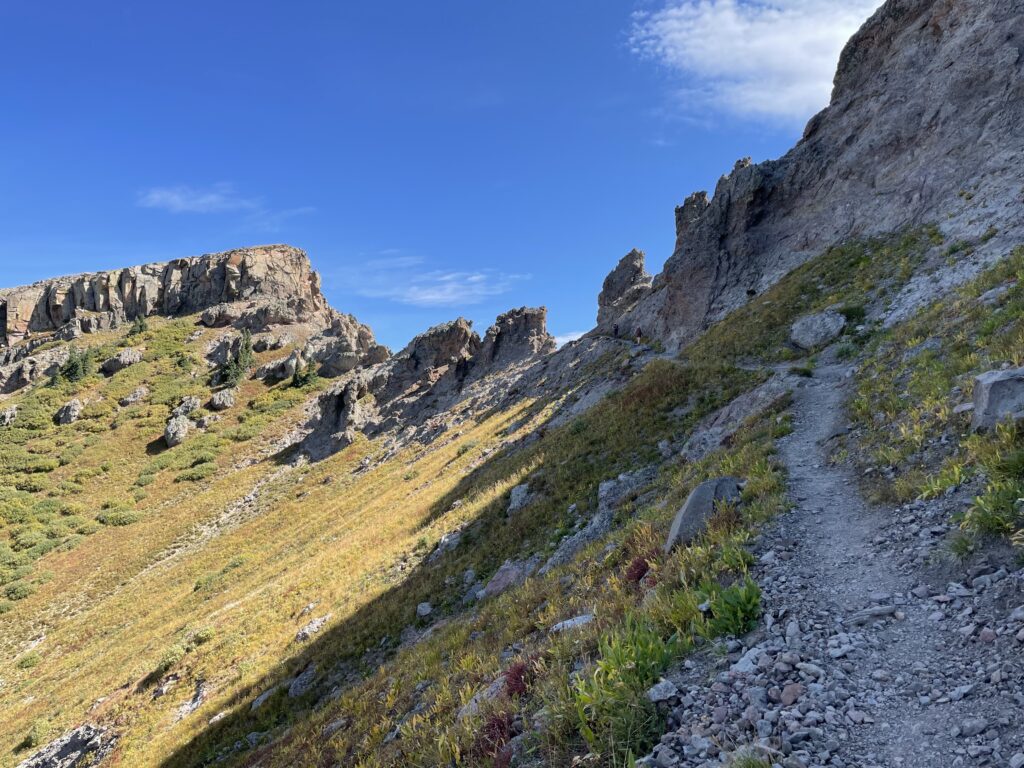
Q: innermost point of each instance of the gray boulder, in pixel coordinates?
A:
(137, 395)
(511, 574)
(188, 406)
(176, 431)
(814, 331)
(997, 395)
(301, 685)
(223, 400)
(70, 412)
(85, 745)
(8, 416)
(120, 361)
(519, 498)
(699, 507)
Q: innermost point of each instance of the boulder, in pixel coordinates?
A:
(997, 395)
(301, 685)
(187, 406)
(85, 745)
(70, 412)
(8, 416)
(814, 331)
(120, 361)
(519, 498)
(611, 494)
(423, 610)
(699, 507)
(223, 400)
(510, 574)
(176, 431)
(137, 395)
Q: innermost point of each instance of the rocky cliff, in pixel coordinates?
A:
(923, 127)
(271, 273)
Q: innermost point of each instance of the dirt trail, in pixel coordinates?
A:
(876, 650)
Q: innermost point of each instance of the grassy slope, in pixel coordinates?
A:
(914, 377)
(226, 612)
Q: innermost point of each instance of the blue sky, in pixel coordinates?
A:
(435, 159)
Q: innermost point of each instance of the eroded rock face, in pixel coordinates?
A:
(928, 101)
(84, 746)
(278, 275)
(623, 288)
(177, 431)
(437, 369)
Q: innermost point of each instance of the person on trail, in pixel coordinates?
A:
(639, 334)
(615, 330)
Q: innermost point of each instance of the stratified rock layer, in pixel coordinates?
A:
(278, 275)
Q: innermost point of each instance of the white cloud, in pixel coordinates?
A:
(409, 279)
(218, 198)
(562, 339)
(752, 58)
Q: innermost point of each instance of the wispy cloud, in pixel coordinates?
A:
(219, 198)
(561, 339)
(410, 279)
(752, 58)
(182, 198)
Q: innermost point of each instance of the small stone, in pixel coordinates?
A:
(424, 609)
(972, 726)
(792, 693)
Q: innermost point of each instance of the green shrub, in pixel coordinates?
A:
(171, 656)
(19, 590)
(78, 366)
(29, 660)
(196, 473)
(614, 715)
(119, 515)
(139, 325)
(734, 610)
(236, 369)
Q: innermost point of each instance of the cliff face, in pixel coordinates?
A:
(923, 127)
(178, 287)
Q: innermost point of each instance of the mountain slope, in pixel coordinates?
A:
(235, 530)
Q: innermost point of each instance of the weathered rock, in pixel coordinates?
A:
(714, 430)
(85, 745)
(573, 623)
(472, 707)
(610, 496)
(70, 412)
(301, 685)
(8, 416)
(516, 335)
(815, 331)
(997, 395)
(120, 361)
(423, 610)
(913, 120)
(178, 287)
(188, 405)
(223, 400)
(623, 288)
(510, 574)
(137, 395)
(176, 431)
(312, 628)
(519, 498)
(699, 507)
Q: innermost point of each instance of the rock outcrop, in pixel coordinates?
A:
(623, 288)
(998, 395)
(278, 275)
(86, 745)
(436, 370)
(923, 127)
